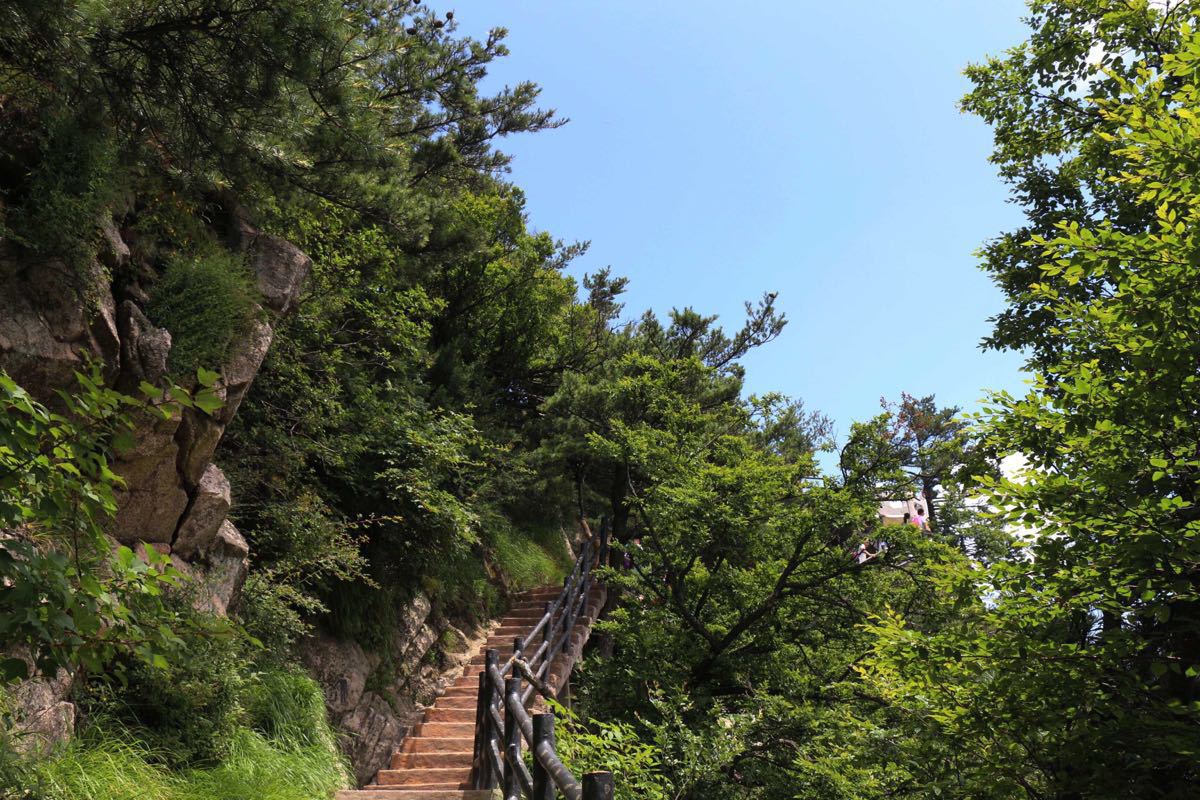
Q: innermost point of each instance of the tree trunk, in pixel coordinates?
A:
(927, 488)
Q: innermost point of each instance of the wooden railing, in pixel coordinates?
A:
(503, 725)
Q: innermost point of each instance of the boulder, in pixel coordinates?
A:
(228, 562)
(205, 514)
(341, 667)
(215, 584)
(50, 315)
(113, 252)
(199, 435)
(414, 648)
(410, 619)
(242, 365)
(144, 347)
(42, 716)
(150, 506)
(279, 269)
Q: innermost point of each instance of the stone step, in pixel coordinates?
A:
(437, 744)
(450, 778)
(449, 759)
(505, 645)
(462, 730)
(434, 762)
(456, 701)
(436, 714)
(532, 611)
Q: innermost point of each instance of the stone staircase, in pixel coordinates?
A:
(434, 761)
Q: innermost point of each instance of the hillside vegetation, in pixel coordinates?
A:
(446, 402)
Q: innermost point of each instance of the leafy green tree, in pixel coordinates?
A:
(703, 360)
(1036, 96)
(1089, 643)
(932, 442)
(354, 103)
(743, 609)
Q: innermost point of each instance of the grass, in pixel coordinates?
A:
(536, 559)
(285, 751)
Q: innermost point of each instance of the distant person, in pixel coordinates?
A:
(920, 520)
(908, 519)
(635, 544)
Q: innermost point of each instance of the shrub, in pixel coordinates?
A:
(187, 709)
(69, 183)
(206, 302)
(587, 746)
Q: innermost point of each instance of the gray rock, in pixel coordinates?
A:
(280, 269)
(416, 646)
(114, 252)
(412, 617)
(150, 507)
(50, 314)
(205, 514)
(214, 584)
(341, 667)
(42, 716)
(243, 364)
(228, 562)
(198, 437)
(144, 347)
(247, 355)
(369, 733)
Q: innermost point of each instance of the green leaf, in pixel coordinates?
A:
(13, 669)
(206, 377)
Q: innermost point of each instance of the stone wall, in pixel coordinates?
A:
(374, 701)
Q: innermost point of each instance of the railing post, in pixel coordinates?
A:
(512, 738)
(597, 786)
(518, 649)
(548, 633)
(480, 764)
(543, 731)
(491, 659)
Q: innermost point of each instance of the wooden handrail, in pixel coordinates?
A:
(503, 724)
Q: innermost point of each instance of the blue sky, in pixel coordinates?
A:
(717, 151)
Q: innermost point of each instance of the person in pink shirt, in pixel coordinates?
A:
(919, 520)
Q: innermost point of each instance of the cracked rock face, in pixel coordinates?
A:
(49, 318)
(53, 318)
(42, 715)
(209, 507)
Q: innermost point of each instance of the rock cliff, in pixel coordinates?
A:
(53, 317)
